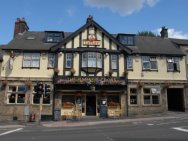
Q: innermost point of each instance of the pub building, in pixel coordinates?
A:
(90, 72)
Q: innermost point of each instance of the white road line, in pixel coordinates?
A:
(150, 124)
(180, 129)
(11, 131)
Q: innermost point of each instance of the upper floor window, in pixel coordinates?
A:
(68, 62)
(129, 62)
(149, 63)
(51, 60)
(173, 64)
(31, 60)
(114, 60)
(16, 94)
(92, 59)
(127, 39)
(54, 37)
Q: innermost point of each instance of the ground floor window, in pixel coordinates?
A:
(113, 101)
(151, 96)
(36, 99)
(68, 101)
(133, 96)
(16, 94)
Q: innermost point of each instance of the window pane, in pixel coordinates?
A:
(130, 40)
(133, 99)
(36, 56)
(46, 99)
(153, 65)
(35, 64)
(147, 99)
(12, 98)
(68, 60)
(155, 99)
(129, 62)
(114, 61)
(36, 100)
(51, 60)
(170, 66)
(146, 90)
(21, 89)
(133, 90)
(21, 98)
(123, 39)
(12, 89)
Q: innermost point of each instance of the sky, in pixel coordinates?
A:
(116, 16)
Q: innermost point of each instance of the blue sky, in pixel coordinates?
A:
(116, 16)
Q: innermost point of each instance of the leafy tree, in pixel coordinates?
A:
(146, 33)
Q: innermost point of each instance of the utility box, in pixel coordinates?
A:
(57, 114)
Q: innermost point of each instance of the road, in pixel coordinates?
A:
(163, 130)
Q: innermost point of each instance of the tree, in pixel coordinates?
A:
(146, 33)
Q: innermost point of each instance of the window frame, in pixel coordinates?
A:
(174, 63)
(149, 60)
(16, 94)
(51, 58)
(114, 61)
(30, 58)
(53, 37)
(150, 94)
(68, 57)
(129, 61)
(38, 103)
(133, 94)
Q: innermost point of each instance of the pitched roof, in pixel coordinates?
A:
(180, 41)
(155, 45)
(29, 41)
(85, 26)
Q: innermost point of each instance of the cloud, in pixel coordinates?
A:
(123, 7)
(71, 11)
(172, 33)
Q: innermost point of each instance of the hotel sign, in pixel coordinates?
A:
(91, 41)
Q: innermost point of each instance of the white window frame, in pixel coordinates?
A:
(68, 60)
(31, 60)
(16, 94)
(51, 60)
(129, 62)
(149, 60)
(172, 62)
(92, 59)
(114, 63)
(150, 95)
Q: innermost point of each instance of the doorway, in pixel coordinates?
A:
(91, 105)
(175, 99)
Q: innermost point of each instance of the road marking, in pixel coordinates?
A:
(150, 124)
(11, 131)
(180, 129)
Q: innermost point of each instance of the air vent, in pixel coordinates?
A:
(30, 38)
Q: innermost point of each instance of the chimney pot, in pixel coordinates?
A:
(164, 32)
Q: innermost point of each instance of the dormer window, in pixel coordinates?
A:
(54, 37)
(127, 39)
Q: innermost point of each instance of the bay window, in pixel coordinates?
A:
(91, 60)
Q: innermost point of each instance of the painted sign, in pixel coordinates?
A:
(91, 41)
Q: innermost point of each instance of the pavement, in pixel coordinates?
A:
(93, 120)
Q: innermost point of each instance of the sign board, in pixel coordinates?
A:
(26, 110)
(92, 41)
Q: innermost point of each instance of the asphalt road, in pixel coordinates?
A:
(163, 130)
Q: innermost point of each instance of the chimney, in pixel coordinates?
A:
(164, 32)
(89, 19)
(20, 26)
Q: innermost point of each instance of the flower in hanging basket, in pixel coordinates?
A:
(4, 84)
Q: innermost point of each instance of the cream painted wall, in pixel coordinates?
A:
(60, 63)
(121, 65)
(17, 70)
(161, 74)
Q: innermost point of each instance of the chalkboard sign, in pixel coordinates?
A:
(57, 114)
(103, 111)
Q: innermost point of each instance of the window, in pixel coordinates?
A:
(113, 100)
(31, 60)
(151, 96)
(149, 63)
(187, 56)
(133, 96)
(51, 60)
(127, 39)
(16, 94)
(129, 62)
(36, 99)
(92, 59)
(68, 63)
(114, 60)
(54, 37)
(173, 64)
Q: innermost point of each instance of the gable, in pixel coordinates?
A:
(91, 35)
